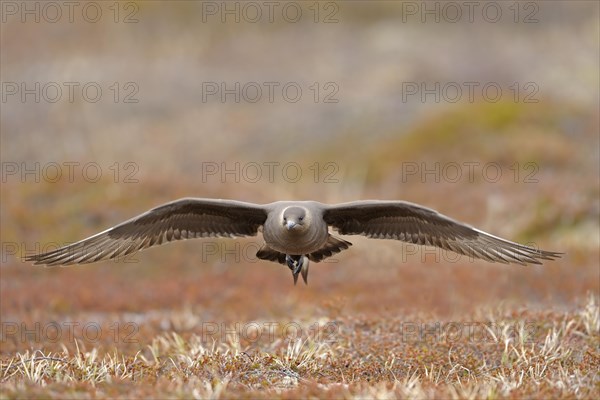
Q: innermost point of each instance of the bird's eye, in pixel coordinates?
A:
(300, 218)
(284, 219)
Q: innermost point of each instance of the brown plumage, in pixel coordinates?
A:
(294, 232)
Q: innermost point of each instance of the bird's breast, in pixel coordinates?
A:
(295, 241)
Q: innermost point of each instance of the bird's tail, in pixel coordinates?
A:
(303, 270)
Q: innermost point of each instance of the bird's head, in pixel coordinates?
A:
(294, 218)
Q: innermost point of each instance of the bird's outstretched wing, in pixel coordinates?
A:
(186, 218)
(420, 225)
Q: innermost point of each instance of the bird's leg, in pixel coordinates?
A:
(295, 264)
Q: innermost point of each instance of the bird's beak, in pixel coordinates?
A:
(290, 225)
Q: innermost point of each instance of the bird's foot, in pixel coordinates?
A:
(297, 264)
(294, 263)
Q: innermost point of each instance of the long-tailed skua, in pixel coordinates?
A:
(294, 231)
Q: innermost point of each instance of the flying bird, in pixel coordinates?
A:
(295, 232)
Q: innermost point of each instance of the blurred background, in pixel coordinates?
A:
(486, 112)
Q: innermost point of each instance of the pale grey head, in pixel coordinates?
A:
(294, 218)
